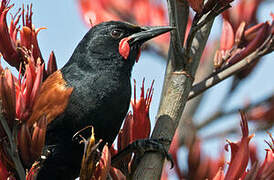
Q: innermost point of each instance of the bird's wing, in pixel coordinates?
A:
(52, 99)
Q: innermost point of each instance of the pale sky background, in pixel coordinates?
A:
(65, 29)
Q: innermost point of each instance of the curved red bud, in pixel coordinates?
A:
(20, 105)
(124, 48)
(244, 125)
(8, 96)
(253, 45)
(227, 38)
(251, 32)
(36, 85)
(25, 144)
(29, 84)
(125, 134)
(240, 33)
(38, 138)
(239, 152)
(14, 25)
(52, 65)
(7, 45)
(25, 36)
(218, 59)
(267, 166)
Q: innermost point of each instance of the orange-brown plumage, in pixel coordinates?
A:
(52, 99)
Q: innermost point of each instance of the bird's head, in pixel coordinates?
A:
(118, 41)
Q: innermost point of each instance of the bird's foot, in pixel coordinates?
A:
(152, 145)
(139, 148)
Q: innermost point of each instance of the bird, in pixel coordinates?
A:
(93, 88)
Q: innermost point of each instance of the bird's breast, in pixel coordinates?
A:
(98, 99)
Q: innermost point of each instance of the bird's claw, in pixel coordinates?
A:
(152, 145)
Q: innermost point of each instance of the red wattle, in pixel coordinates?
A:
(124, 48)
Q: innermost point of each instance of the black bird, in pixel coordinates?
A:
(93, 88)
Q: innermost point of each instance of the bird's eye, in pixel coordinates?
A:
(116, 33)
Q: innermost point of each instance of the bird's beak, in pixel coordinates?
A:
(148, 33)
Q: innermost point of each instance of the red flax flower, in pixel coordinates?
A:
(143, 12)
(14, 49)
(28, 34)
(139, 11)
(27, 88)
(240, 18)
(52, 65)
(137, 125)
(226, 43)
(17, 97)
(239, 152)
(267, 168)
(8, 45)
(240, 13)
(11, 47)
(125, 134)
(141, 121)
(31, 144)
(7, 92)
(253, 44)
(246, 41)
(263, 170)
(18, 94)
(200, 166)
(95, 165)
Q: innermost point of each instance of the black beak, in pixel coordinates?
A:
(148, 33)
